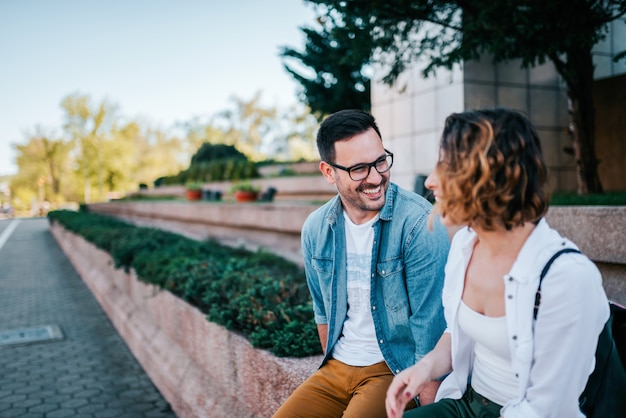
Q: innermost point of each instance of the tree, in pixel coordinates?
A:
(158, 154)
(88, 127)
(43, 162)
(334, 58)
(297, 138)
(248, 126)
(534, 31)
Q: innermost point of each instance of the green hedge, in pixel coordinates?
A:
(573, 199)
(259, 294)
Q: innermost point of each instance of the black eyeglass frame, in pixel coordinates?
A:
(368, 165)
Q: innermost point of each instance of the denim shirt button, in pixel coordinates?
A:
(374, 307)
(381, 341)
(383, 272)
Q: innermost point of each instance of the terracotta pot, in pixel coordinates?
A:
(246, 196)
(194, 194)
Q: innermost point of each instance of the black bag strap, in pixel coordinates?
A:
(544, 272)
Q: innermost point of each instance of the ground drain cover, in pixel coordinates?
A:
(30, 335)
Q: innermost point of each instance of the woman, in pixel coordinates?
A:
(497, 361)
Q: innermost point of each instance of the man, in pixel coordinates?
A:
(375, 272)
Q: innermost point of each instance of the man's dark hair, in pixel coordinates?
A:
(341, 126)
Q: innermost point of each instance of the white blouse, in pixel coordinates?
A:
(552, 361)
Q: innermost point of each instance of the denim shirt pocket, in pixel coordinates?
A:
(323, 268)
(322, 265)
(391, 273)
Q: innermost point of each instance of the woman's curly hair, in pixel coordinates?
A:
(491, 170)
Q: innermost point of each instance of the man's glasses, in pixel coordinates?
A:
(361, 171)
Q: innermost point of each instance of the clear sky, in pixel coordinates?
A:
(159, 60)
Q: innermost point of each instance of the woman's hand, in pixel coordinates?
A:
(410, 382)
(404, 387)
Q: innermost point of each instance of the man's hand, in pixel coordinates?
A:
(428, 393)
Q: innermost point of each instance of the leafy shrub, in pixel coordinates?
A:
(211, 152)
(214, 162)
(159, 181)
(216, 170)
(258, 294)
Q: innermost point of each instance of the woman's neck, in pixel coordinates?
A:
(502, 242)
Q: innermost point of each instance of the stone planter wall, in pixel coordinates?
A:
(202, 369)
(600, 231)
(288, 189)
(275, 226)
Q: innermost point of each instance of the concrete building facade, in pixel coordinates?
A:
(411, 113)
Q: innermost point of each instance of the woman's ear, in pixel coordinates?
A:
(328, 172)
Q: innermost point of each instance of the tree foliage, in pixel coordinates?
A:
(44, 165)
(332, 78)
(99, 153)
(446, 33)
(297, 140)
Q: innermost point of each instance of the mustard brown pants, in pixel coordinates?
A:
(338, 390)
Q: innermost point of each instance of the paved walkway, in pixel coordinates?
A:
(60, 356)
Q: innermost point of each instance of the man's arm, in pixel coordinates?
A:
(425, 259)
(425, 277)
(322, 331)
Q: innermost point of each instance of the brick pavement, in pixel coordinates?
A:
(89, 372)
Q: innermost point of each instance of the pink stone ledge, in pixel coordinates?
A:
(599, 231)
(202, 369)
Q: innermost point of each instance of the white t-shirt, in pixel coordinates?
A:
(357, 345)
(492, 372)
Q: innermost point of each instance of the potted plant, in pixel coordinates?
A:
(245, 191)
(194, 191)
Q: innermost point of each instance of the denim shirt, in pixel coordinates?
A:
(408, 262)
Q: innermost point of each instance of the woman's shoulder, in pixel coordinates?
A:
(462, 238)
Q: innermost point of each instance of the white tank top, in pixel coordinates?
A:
(357, 345)
(492, 374)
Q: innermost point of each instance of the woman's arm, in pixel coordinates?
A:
(407, 384)
(571, 315)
